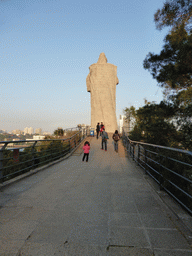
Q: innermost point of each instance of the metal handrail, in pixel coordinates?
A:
(35, 153)
(162, 147)
(170, 167)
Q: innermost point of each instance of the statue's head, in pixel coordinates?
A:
(102, 58)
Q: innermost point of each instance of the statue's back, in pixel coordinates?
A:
(101, 83)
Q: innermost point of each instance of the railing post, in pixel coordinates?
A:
(69, 145)
(145, 160)
(1, 166)
(1, 161)
(133, 151)
(161, 179)
(138, 154)
(33, 153)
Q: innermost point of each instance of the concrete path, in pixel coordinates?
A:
(103, 207)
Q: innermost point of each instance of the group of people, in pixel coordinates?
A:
(101, 129)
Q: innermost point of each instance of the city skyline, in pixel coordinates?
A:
(26, 130)
(47, 48)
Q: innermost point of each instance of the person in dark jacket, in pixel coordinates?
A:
(104, 137)
(98, 129)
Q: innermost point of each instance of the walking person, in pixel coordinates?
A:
(86, 149)
(98, 129)
(104, 137)
(116, 138)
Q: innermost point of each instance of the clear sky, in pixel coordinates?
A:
(47, 46)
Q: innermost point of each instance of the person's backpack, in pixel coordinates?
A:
(116, 137)
(105, 136)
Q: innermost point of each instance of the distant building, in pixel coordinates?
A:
(18, 132)
(38, 137)
(126, 123)
(46, 133)
(3, 131)
(38, 131)
(28, 130)
(122, 124)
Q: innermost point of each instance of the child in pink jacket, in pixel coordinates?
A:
(86, 149)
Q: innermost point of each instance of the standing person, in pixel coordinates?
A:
(86, 149)
(104, 137)
(98, 129)
(101, 128)
(116, 138)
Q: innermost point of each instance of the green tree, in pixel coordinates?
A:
(172, 68)
(59, 132)
(174, 13)
(182, 104)
(130, 112)
(153, 125)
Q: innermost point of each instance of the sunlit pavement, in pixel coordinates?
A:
(105, 206)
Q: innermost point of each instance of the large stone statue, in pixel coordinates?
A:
(101, 83)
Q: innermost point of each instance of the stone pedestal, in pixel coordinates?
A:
(101, 83)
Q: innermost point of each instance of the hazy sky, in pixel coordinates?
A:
(47, 46)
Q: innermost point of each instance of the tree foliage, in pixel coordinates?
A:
(130, 113)
(153, 125)
(167, 123)
(173, 66)
(174, 14)
(182, 103)
(59, 132)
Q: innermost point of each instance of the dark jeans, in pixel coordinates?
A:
(87, 157)
(116, 145)
(104, 142)
(97, 134)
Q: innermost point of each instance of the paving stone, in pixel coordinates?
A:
(172, 252)
(78, 249)
(39, 249)
(129, 237)
(124, 251)
(94, 235)
(166, 238)
(125, 220)
(159, 221)
(14, 230)
(50, 234)
(10, 247)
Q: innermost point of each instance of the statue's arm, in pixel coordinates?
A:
(117, 80)
(88, 82)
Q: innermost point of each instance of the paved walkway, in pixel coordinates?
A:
(103, 207)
